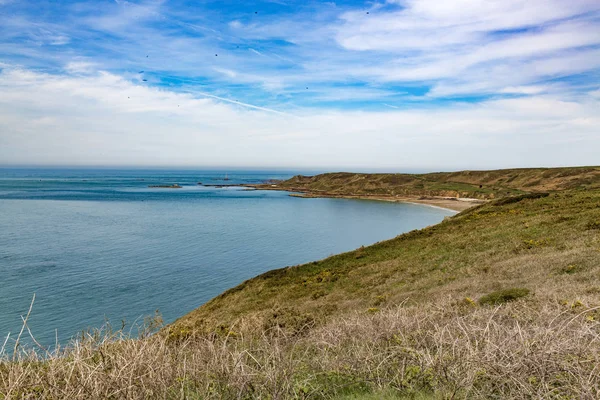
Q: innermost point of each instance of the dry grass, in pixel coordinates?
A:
(542, 244)
(399, 319)
(476, 184)
(521, 350)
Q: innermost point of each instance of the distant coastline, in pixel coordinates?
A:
(173, 186)
(456, 191)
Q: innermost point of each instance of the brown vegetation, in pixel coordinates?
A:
(526, 242)
(521, 350)
(470, 184)
(499, 301)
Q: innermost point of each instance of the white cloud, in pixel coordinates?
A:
(59, 40)
(474, 46)
(454, 47)
(103, 119)
(227, 72)
(533, 89)
(532, 61)
(81, 67)
(126, 15)
(235, 24)
(487, 15)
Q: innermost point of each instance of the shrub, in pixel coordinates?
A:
(531, 243)
(516, 199)
(379, 300)
(503, 296)
(287, 320)
(570, 269)
(467, 301)
(593, 225)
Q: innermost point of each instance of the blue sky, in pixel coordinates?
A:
(391, 84)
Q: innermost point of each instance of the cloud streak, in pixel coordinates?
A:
(410, 83)
(460, 47)
(104, 119)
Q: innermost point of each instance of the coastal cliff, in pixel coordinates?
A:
(524, 240)
(501, 300)
(471, 184)
(454, 190)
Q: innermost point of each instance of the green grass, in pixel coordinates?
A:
(474, 184)
(503, 296)
(518, 243)
(388, 395)
(499, 301)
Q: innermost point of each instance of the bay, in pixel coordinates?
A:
(96, 244)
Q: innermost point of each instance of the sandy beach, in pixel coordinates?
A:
(454, 204)
(450, 203)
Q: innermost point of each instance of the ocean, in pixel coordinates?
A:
(100, 244)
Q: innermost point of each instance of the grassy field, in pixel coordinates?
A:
(499, 301)
(546, 243)
(472, 184)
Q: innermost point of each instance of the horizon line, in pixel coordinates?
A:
(318, 169)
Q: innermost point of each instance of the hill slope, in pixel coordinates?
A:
(549, 244)
(499, 301)
(471, 184)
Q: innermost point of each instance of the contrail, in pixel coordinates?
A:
(246, 104)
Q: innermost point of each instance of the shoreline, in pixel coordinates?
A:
(442, 202)
(447, 203)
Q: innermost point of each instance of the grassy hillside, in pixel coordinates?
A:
(473, 184)
(549, 244)
(499, 301)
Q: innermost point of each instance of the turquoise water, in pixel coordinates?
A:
(96, 244)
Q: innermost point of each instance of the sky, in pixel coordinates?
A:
(392, 85)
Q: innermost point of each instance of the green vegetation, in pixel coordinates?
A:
(498, 245)
(503, 296)
(593, 225)
(471, 184)
(396, 320)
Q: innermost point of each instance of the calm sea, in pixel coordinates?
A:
(96, 244)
